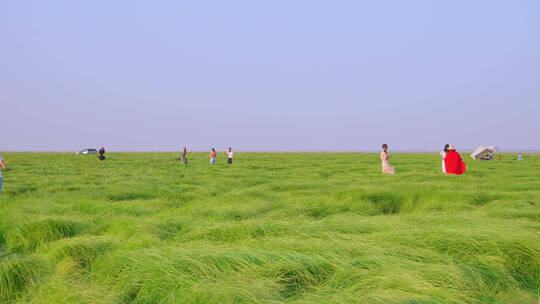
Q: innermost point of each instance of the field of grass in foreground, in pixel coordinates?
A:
(271, 228)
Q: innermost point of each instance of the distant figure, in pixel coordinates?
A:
(520, 157)
(488, 156)
(4, 167)
(101, 157)
(453, 162)
(213, 156)
(386, 168)
(230, 156)
(443, 155)
(183, 158)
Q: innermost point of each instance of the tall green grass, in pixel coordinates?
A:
(271, 228)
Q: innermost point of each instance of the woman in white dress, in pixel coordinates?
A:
(443, 155)
(386, 168)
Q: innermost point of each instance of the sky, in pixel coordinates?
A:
(269, 75)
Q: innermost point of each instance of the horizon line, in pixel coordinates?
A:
(279, 151)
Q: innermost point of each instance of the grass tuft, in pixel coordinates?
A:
(296, 277)
(17, 273)
(82, 251)
(26, 237)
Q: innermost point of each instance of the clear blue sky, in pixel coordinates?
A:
(269, 75)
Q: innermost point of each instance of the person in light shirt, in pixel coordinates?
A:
(386, 168)
(230, 156)
(4, 167)
(443, 155)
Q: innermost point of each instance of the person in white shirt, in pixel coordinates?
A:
(230, 156)
(386, 168)
(3, 165)
(443, 155)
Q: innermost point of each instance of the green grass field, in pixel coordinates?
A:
(271, 228)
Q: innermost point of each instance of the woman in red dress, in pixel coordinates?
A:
(453, 162)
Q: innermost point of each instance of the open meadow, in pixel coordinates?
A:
(271, 228)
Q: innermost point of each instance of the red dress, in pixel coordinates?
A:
(453, 163)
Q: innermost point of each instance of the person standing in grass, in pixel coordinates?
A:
(453, 162)
(4, 167)
(230, 156)
(443, 155)
(101, 157)
(386, 168)
(520, 157)
(183, 158)
(213, 156)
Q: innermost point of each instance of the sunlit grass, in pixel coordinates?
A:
(271, 228)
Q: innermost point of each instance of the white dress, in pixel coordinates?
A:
(386, 168)
(443, 155)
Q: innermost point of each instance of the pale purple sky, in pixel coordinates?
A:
(269, 75)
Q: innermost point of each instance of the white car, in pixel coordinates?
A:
(87, 151)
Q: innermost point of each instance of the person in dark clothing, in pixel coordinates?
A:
(101, 157)
(183, 158)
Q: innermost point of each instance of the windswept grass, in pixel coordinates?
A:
(272, 228)
(19, 272)
(27, 236)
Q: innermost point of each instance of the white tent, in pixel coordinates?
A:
(484, 152)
